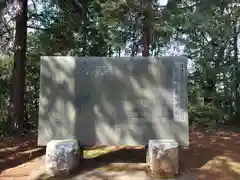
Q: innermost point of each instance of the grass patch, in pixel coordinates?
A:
(92, 153)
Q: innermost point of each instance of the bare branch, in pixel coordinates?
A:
(6, 31)
(37, 28)
(39, 16)
(34, 5)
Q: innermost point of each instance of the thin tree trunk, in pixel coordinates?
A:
(147, 30)
(134, 46)
(236, 84)
(146, 41)
(16, 114)
(119, 52)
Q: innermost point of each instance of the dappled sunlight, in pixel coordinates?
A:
(108, 100)
(56, 106)
(106, 133)
(219, 161)
(213, 154)
(220, 167)
(207, 160)
(19, 150)
(92, 153)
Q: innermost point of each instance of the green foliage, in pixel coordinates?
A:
(207, 31)
(5, 79)
(31, 92)
(208, 115)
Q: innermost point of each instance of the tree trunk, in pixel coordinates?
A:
(236, 67)
(16, 114)
(146, 40)
(147, 29)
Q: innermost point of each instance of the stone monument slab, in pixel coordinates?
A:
(113, 101)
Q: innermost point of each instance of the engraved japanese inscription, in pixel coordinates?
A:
(113, 101)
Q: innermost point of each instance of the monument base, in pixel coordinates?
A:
(163, 158)
(62, 156)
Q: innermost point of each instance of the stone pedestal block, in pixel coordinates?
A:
(162, 157)
(62, 156)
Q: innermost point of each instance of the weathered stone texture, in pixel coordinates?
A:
(62, 156)
(113, 101)
(162, 157)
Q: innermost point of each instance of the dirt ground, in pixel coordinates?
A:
(211, 155)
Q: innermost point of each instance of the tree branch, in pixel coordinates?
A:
(39, 16)
(5, 32)
(37, 28)
(34, 5)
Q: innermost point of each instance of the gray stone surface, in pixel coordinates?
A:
(62, 156)
(162, 157)
(113, 101)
